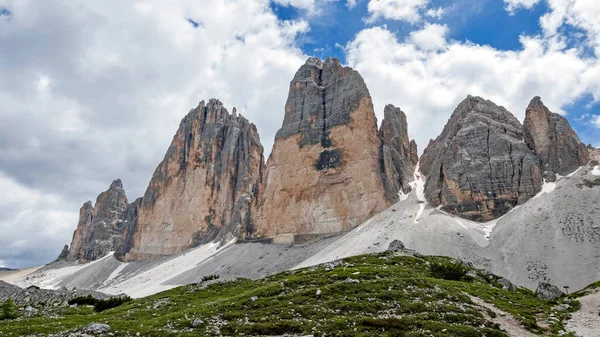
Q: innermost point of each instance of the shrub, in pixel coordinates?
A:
(100, 305)
(210, 278)
(448, 270)
(9, 310)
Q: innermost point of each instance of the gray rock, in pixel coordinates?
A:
(395, 246)
(322, 96)
(196, 323)
(506, 284)
(97, 329)
(479, 167)
(399, 153)
(7, 290)
(547, 291)
(554, 141)
(99, 230)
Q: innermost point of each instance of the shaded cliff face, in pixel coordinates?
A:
(554, 141)
(203, 188)
(399, 153)
(100, 228)
(479, 167)
(324, 173)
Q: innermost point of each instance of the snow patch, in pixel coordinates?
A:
(596, 170)
(418, 185)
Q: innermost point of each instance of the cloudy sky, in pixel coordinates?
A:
(93, 90)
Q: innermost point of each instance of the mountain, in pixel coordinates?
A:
(203, 188)
(553, 140)
(479, 167)
(100, 228)
(400, 155)
(336, 186)
(330, 170)
(325, 173)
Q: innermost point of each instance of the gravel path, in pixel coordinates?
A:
(506, 321)
(586, 321)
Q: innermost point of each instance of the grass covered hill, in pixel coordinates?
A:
(386, 294)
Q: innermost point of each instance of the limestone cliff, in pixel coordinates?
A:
(551, 137)
(399, 153)
(203, 188)
(99, 229)
(479, 167)
(324, 173)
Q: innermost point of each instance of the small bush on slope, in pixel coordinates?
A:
(449, 270)
(100, 305)
(369, 295)
(8, 310)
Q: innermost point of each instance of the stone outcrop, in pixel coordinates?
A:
(551, 137)
(399, 154)
(202, 190)
(479, 167)
(324, 173)
(99, 229)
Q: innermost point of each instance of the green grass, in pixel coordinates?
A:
(383, 295)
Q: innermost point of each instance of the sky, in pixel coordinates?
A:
(93, 91)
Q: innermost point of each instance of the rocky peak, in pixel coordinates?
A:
(554, 141)
(203, 188)
(322, 96)
(479, 167)
(98, 230)
(399, 153)
(323, 175)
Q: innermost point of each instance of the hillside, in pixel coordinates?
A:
(387, 294)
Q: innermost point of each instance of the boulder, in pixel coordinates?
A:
(547, 291)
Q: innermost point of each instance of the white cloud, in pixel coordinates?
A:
(308, 5)
(596, 121)
(95, 91)
(431, 37)
(404, 10)
(428, 83)
(581, 14)
(512, 5)
(2, 264)
(351, 4)
(435, 13)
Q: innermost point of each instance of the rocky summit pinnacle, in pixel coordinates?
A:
(203, 188)
(323, 175)
(99, 229)
(479, 167)
(399, 153)
(551, 137)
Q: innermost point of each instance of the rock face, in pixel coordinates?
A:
(99, 229)
(479, 167)
(553, 140)
(399, 154)
(203, 188)
(324, 173)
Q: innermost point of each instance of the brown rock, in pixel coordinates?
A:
(323, 175)
(554, 141)
(203, 188)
